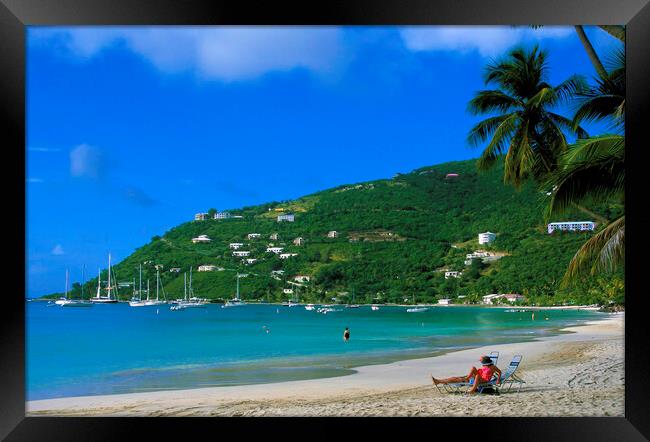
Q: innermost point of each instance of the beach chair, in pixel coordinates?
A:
(457, 388)
(510, 377)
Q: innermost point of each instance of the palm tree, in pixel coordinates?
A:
(527, 130)
(595, 168)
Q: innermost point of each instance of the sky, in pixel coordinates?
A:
(133, 130)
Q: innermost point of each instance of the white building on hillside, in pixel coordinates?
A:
(444, 301)
(201, 238)
(200, 217)
(299, 241)
(275, 250)
(290, 217)
(250, 261)
(571, 226)
(235, 245)
(302, 278)
(174, 270)
(486, 238)
(241, 253)
(207, 268)
(332, 234)
(287, 255)
(222, 215)
(253, 235)
(287, 291)
(274, 236)
(453, 275)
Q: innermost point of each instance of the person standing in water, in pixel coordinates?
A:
(346, 334)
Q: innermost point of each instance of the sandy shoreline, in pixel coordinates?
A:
(575, 374)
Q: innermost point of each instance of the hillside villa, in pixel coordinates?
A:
(222, 215)
(253, 235)
(299, 241)
(235, 245)
(249, 261)
(241, 253)
(483, 255)
(275, 250)
(274, 236)
(207, 268)
(174, 270)
(200, 217)
(453, 274)
(444, 301)
(486, 238)
(302, 278)
(201, 238)
(290, 217)
(571, 226)
(287, 255)
(332, 234)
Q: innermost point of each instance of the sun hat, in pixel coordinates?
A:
(485, 360)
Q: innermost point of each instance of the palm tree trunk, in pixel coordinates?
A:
(616, 31)
(602, 73)
(590, 213)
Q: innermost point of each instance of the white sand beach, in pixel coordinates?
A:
(580, 373)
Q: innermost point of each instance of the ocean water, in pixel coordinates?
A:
(116, 348)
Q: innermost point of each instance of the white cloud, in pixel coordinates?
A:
(86, 161)
(224, 53)
(488, 41)
(58, 250)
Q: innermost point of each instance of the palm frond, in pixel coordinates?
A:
(567, 124)
(484, 129)
(603, 252)
(491, 101)
(593, 167)
(502, 134)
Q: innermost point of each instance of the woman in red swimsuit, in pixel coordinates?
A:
(476, 376)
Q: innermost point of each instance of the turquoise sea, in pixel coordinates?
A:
(116, 348)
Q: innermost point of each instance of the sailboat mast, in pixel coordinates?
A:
(147, 289)
(185, 285)
(157, 283)
(109, 276)
(191, 292)
(99, 282)
(66, 283)
(140, 289)
(83, 277)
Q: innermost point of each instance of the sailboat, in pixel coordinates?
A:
(235, 302)
(110, 286)
(157, 301)
(65, 302)
(138, 302)
(416, 309)
(192, 301)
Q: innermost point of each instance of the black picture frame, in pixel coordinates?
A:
(15, 15)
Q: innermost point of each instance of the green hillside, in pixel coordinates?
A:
(395, 239)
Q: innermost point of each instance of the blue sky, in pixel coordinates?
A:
(132, 130)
